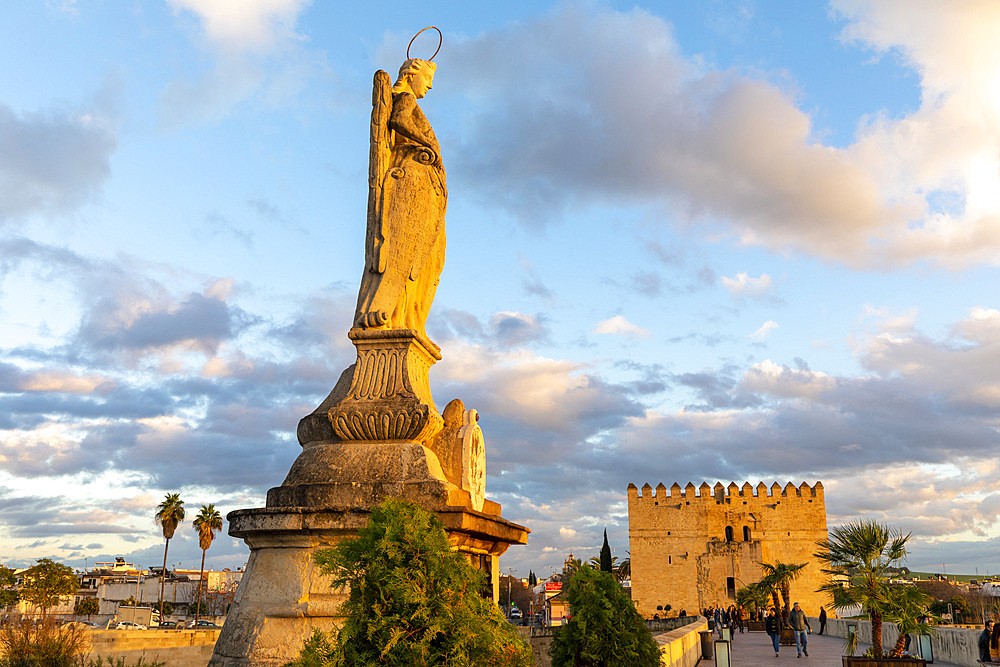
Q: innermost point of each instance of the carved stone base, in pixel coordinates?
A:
(283, 596)
(390, 396)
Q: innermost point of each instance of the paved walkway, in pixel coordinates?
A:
(752, 649)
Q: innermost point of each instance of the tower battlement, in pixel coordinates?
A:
(695, 546)
(704, 492)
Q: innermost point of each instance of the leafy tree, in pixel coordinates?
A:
(413, 600)
(207, 523)
(780, 576)
(87, 606)
(605, 628)
(8, 594)
(168, 514)
(46, 582)
(858, 557)
(960, 606)
(606, 554)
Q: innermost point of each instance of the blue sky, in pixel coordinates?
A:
(718, 241)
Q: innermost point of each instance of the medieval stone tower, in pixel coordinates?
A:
(691, 548)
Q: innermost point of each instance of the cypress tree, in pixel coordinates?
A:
(606, 554)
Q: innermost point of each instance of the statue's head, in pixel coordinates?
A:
(415, 76)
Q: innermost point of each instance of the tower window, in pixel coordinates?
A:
(729, 533)
(746, 533)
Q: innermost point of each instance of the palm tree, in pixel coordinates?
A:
(207, 523)
(780, 577)
(169, 513)
(907, 605)
(858, 556)
(624, 570)
(753, 596)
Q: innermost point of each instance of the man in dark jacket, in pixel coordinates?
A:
(799, 624)
(984, 643)
(772, 626)
(822, 619)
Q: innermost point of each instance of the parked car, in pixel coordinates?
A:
(169, 625)
(204, 625)
(129, 625)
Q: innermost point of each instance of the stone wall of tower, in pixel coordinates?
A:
(694, 547)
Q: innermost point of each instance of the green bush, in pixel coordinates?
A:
(605, 629)
(414, 601)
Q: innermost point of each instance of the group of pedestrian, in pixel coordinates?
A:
(989, 643)
(734, 617)
(796, 621)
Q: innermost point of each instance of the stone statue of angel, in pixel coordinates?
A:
(407, 198)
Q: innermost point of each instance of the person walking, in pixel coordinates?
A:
(822, 619)
(773, 628)
(995, 643)
(799, 624)
(741, 618)
(718, 619)
(984, 642)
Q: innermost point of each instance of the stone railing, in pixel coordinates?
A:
(678, 638)
(681, 647)
(958, 646)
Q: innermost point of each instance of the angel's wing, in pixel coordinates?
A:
(378, 162)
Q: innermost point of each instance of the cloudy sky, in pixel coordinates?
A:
(714, 241)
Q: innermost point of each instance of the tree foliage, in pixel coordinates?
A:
(46, 582)
(168, 514)
(8, 594)
(605, 628)
(207, 524)
(859, 557)
(87, 606)
(570, 568)
(779, 576)
(606, 554)
(754, 596)
(413, 600)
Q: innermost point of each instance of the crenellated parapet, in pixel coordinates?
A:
(704, 492)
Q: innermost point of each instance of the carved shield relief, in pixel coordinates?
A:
(473, 458)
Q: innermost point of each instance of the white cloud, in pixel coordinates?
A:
(743, 284)
(246, 25)
(619, 326)
(776, 380)
(259, 57)
(566, 532)
(764, 331)
(734, 152)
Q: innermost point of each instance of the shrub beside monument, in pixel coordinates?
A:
(414, 600)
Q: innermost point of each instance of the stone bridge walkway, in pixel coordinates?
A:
(752, 649)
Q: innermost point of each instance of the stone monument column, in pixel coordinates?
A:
(378, 433)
